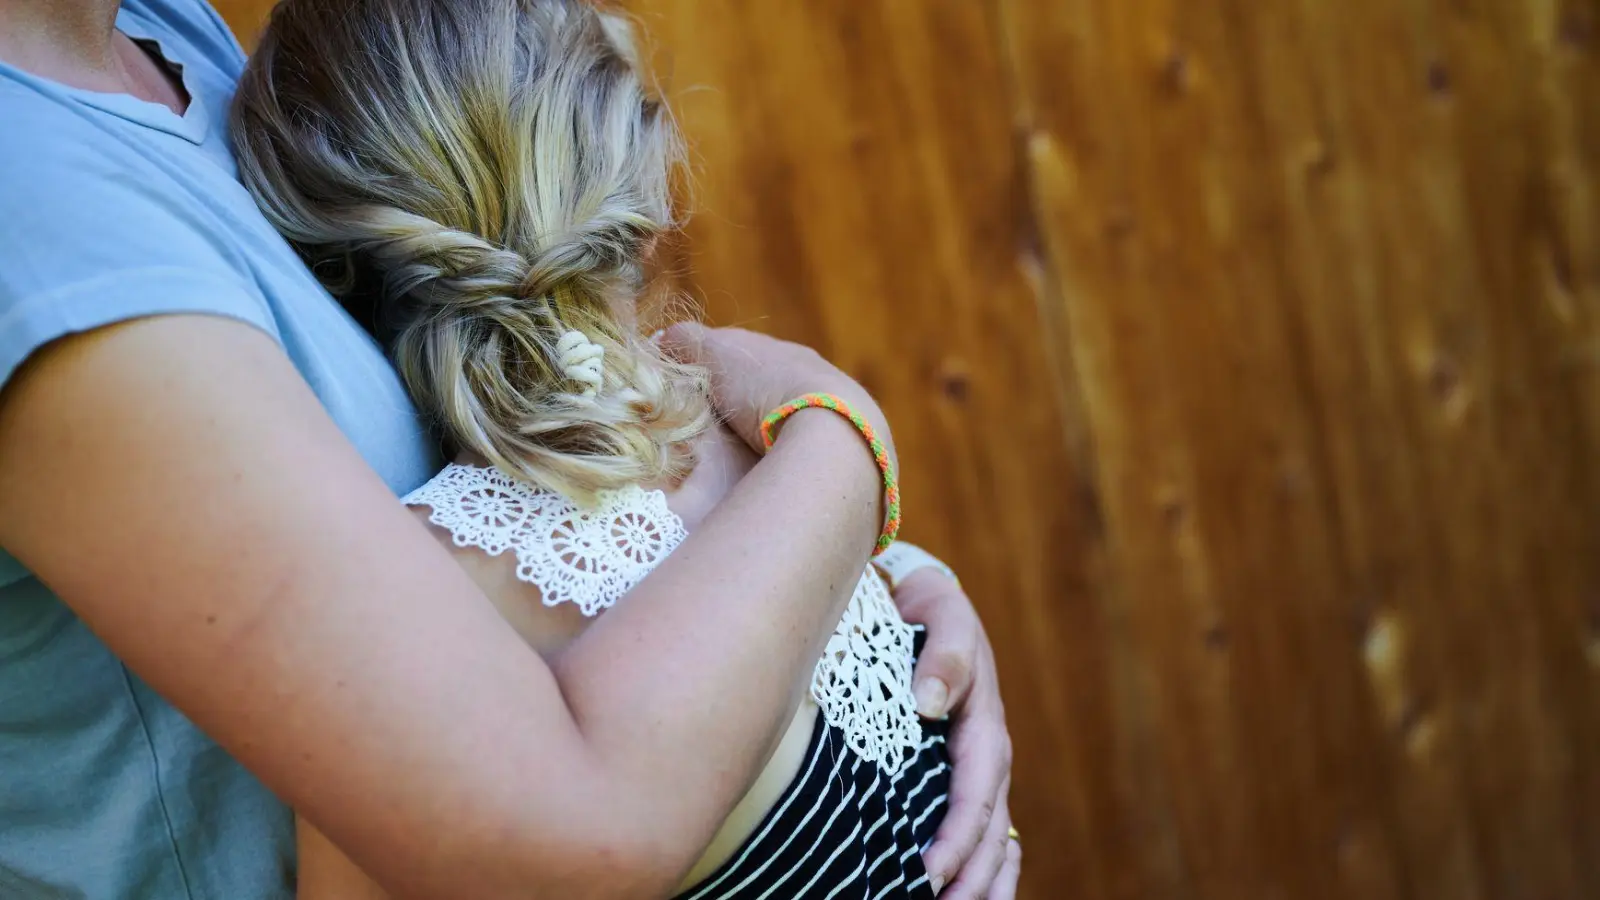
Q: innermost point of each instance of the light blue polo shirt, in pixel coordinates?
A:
(113, 208)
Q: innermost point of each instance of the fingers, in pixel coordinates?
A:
(980, 747)
(722, 350)
(1005, 884)
(981, 875)
(944, 673)
(752, 374)
(980, 758)
(685, 341)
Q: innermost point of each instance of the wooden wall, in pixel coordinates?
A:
(1244, 356)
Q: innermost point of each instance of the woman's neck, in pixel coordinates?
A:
(70, 41)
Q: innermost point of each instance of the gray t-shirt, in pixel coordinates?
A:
(110, 209)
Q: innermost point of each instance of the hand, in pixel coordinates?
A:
(752, 374)
(972, 856)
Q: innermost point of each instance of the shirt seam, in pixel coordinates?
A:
(155, 771)
(121, 278)
(38, 320)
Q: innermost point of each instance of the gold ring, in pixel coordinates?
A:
(1014, 835)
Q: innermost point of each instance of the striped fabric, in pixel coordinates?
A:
(843, 828)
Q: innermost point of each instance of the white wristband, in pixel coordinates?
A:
(901, 559)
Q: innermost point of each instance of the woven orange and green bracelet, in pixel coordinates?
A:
(891, 485)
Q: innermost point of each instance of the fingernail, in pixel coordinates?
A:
(932, 696)
(938, 883)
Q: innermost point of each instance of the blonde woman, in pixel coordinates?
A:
(210, 600)
(490, 177)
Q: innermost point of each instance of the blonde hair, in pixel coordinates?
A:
(499, 173)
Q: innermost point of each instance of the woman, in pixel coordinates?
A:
(180, 398)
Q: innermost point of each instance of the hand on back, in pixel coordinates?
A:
(752, 374)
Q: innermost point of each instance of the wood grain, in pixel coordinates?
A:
(1245, 359)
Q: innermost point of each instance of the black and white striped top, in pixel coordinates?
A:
(843, 828)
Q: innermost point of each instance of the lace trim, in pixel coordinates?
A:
(862, 683)
(592, 557)
(586, 557)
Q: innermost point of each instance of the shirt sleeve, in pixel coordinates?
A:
(85, 244)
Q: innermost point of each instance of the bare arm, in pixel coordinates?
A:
(178, 485)
(323, 871)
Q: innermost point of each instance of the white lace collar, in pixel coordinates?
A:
(591, 557)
